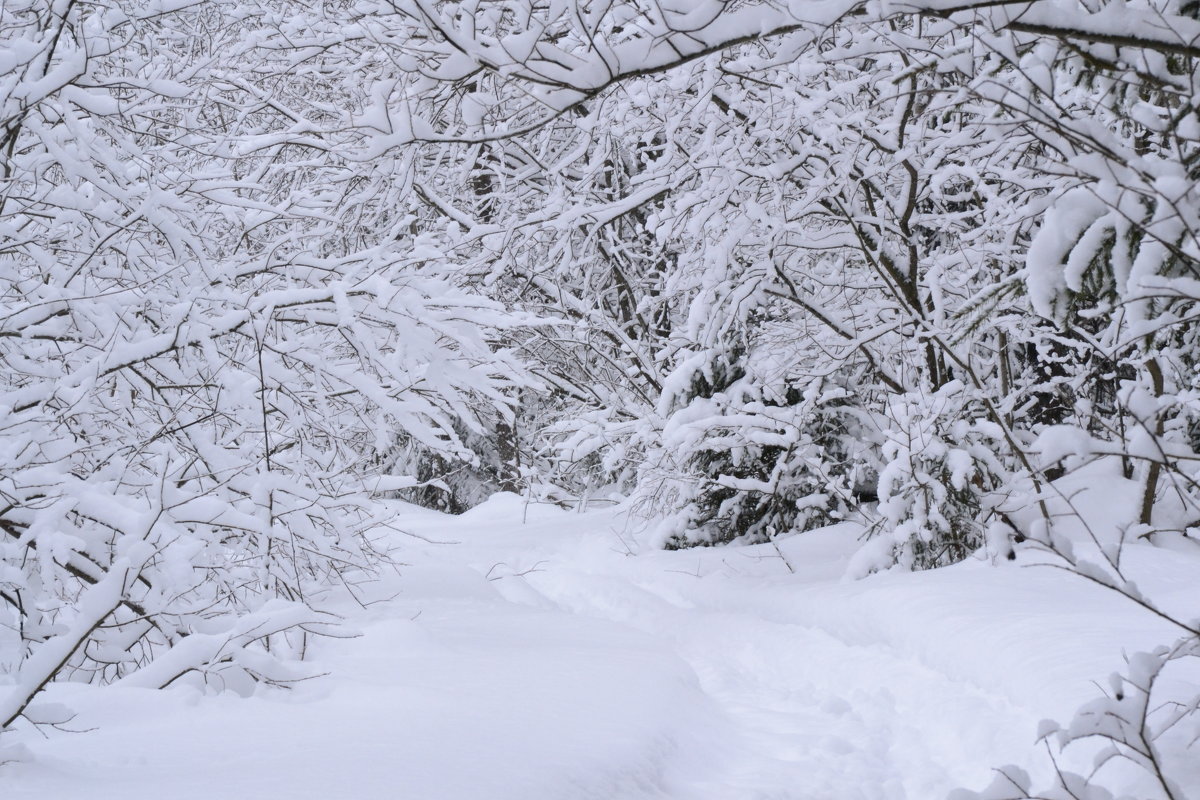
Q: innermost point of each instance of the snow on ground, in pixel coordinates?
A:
(524, 653)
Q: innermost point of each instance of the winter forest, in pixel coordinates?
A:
(615, 399)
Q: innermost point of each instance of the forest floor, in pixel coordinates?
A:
(523, 652)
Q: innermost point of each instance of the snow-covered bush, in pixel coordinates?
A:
(940, 468)
(1143, 733)
(488, 461)
(751, 461)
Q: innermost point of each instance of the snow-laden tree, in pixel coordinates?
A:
(217, 323)
(752, 252)
(870, 177)
(1115, 263)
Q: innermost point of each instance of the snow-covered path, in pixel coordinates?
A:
(529, 656)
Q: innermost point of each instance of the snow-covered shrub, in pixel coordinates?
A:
(1143, 720)
(1141, 736)
(940, 463)
(747, 458)
(483, 461)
